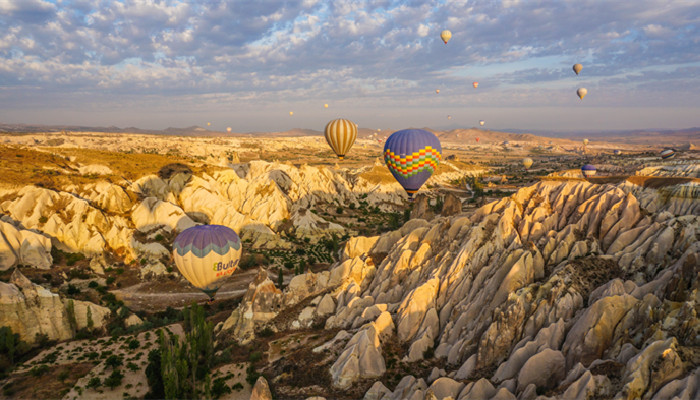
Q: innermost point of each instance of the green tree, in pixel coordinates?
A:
(70, 310)
(280, 278)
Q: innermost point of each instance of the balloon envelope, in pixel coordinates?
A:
(578, 68)
(527, 162)
(437, 90)
(482, 122)
(582, 92)
(585, 142)
(412, 156)
(325, 106)
(340, 135)
(205, 254)
(291, 113)
(208, 123)
(446, 36)
(228, 129)
(588, 170)
(667, 154)
(617, 152)
(476, 84)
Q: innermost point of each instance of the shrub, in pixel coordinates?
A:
(114, 380)
(63, 375)
(39, 370)
(94, 383)
(238, 386)
(114, 361)
(72, 289)
(93, 285)
(134, 344)
(219, 388)
(255, 356)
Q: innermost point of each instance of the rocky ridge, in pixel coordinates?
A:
(564, 289)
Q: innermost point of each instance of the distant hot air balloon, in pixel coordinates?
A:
(325, 106)
(617, 152)
(582, 92)
(527, 162)
(449, 117)
(205, 254)
(291, 113)
(340, 135)
(585, 142)
(437, 91)
(578, 68)
(477, 140)
(412, 156)
(446, 36)
(506, 143)
(482, 122)
(208, 123)
(667, 154)
(588, 170)
(476, 84)
(228, 129)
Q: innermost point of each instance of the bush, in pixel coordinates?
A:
(255, 356)
(134, 344)
(114, 361)
(72, 290)
(94, 383)
(219, 388)
(238, 386)
(93, 285)
(39, 370)
(114, 380)
(251, 375)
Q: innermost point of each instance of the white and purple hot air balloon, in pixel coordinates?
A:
(206, 254)
(588, 170)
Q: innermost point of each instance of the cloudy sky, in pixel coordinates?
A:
(246, 64)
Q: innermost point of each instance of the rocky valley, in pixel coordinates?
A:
(495, 283)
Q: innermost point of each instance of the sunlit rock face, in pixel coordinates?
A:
(31, 310)
(564, 287)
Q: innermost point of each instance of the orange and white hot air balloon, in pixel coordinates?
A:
(340, 135)
(476, 84)
(582, 92)
(446, 36)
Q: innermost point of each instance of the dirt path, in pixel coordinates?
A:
(159, 295)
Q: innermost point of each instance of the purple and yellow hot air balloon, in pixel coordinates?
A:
(206, 254)
(412, 156)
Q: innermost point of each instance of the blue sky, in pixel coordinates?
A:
(246, 64)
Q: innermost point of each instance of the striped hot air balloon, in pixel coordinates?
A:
(667, 154)
(588, 170)
(206, 254)
(340, 135)
(412, 156)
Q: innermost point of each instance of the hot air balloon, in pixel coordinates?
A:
(582, 92)
(506, 143)
(667, 154)
(228, 129)
(208, 123)
(205, 254)
(446, 36)
(291, 113)
(482, 122)
(578, 68)
(325, 106)
(527, 162)
(585, 142)
(437, 91)
(412, 155)
(588, 170)
(449, 117)
(476, 84)
(617, 152)
(477, 140)
(340, 135)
